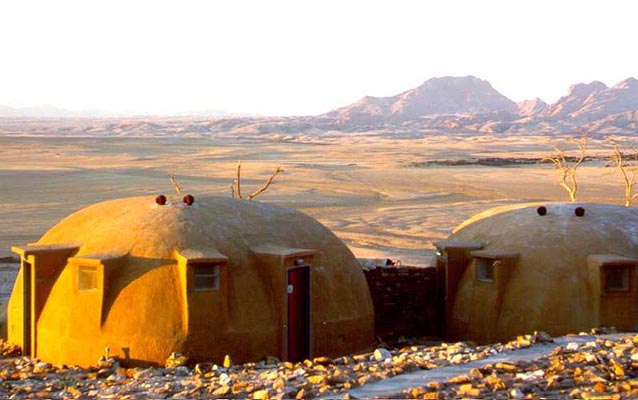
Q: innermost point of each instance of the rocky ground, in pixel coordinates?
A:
(605, 368)
(599, 369)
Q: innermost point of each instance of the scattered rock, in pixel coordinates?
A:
(9, 350)
(382, 354)
(227, 361)
(602, 367)
(542, 337)
(41, 367)
(175, 360)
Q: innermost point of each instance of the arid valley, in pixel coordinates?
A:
(385, 195)
(388, 175)
(335, 200)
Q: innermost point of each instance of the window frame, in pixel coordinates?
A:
(499, 262)
(214, 271)
(81, 271)
(481, 267)
(626, 278)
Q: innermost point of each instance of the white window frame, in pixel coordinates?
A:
(212, 270)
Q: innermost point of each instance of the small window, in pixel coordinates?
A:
(485, 269)
(87, 278)
(617, 279)
(206, 277)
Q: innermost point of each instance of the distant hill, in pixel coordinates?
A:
(531, 107)
(440, 105)
(589, 102)
(470, 104)
(437, 96)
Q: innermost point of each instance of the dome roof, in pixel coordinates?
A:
(141, 228)
(605, 228)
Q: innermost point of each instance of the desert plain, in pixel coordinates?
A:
(384, 194)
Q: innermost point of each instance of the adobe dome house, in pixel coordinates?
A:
(221, 276)
(559, 268)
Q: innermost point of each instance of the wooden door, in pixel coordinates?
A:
(298, 336)
(27, 298)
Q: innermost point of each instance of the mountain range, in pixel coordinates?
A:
(448, 104)
(469, 103)
(437, 96)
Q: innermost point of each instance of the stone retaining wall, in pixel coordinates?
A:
(405, 302)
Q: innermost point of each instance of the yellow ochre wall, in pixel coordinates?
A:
(543, 280)
(142, 307)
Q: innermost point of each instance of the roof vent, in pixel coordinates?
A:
(161, 199)
(579, 211)
(542, 210)
(189, 199)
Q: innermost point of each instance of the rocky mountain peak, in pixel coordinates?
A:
(450, 95)
(585, 89)
(627, 84)
(531, 107)
(455, 83)
(437, 96)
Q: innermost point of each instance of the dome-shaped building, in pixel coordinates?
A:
(221, 276)
(557, 267)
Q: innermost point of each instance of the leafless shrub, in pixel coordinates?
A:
(235, 187)
(566, 167)
(627, 165)
(176, 185)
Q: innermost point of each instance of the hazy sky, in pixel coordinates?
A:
(301, 57)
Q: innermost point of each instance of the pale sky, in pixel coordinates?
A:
(301, 57)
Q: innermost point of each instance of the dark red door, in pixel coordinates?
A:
(298, 313)
(27, 297)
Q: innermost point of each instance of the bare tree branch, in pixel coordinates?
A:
(238, 180)
(566, 169)
(627, 170)
(266, 185)
(235, 187)
(176, 185)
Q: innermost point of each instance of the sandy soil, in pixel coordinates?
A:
(361, 185)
